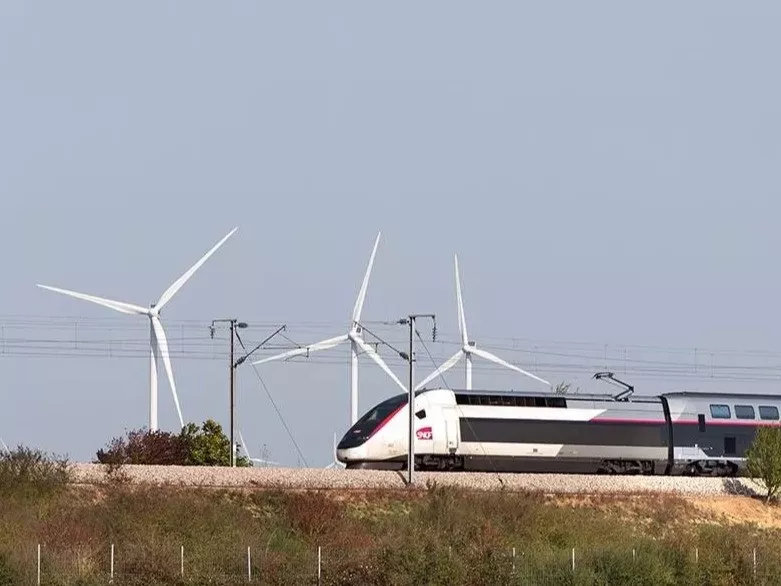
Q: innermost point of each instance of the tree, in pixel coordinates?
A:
(763, 460)
(208, 446)
(562, 388)
(193, 446)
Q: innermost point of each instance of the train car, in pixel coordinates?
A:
(674, 433)
(712, 431)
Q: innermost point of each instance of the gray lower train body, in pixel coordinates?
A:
(683, 433)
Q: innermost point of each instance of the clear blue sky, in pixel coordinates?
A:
(608, 172)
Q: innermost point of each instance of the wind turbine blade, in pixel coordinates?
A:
(110, 303)
(317, 346)
(365, 284)
(244, 446)
(499, 361)
(378, 359)
(441, 369)
(171, 291)
(460, 299)
(162, 345)
(262, 461)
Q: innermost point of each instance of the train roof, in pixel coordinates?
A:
(636, 397)
(716, 394)
(570, 396)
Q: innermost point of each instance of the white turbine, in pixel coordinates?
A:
(469, 349)
(335, 463)
(355, 337)
(250, 458)
(158, 344)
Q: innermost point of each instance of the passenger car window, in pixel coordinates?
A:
(744, 412)
(729, 446)
(719, 412)
(766, 412)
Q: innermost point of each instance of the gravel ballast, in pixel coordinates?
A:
(330, 479)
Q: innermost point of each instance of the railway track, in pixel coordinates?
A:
(363, 480)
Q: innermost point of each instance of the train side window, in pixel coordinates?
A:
(766, 412)
(701, 421)
(729, 446)
(720, 412)
(744, 412)
(421, 414)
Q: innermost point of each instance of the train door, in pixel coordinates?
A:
(450, 416)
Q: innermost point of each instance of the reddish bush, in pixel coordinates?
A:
(145, 447)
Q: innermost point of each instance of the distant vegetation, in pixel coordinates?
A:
(763, 460)
(193, 446)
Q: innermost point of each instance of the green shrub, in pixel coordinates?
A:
(8, 576)
(763, 459)
(31, 472)
(208, 445)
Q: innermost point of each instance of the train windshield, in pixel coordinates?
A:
(371, 421)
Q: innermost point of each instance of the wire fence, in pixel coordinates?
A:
(176, 564)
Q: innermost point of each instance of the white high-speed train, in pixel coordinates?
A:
(673, 433)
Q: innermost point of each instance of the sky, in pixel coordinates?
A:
(607, 172)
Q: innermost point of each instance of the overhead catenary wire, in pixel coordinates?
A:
(9, 321)
(69, 340)
(743, 373)
(274, 405)
(530, 345)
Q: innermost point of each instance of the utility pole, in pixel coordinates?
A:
(233, 324)
(411, 391)
(232, 375)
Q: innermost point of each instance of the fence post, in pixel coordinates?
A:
(513, 560)
(319, 566)
(39, 564)
(573, 560)
(634, 555)
(696, 555)
(249, 564)
(755, 564)
(181, 560)
(112, 564)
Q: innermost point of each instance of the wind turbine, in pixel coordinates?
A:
(335, 463)
(469, 349)
(355, 336)
(158, 343)
(250, 458)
